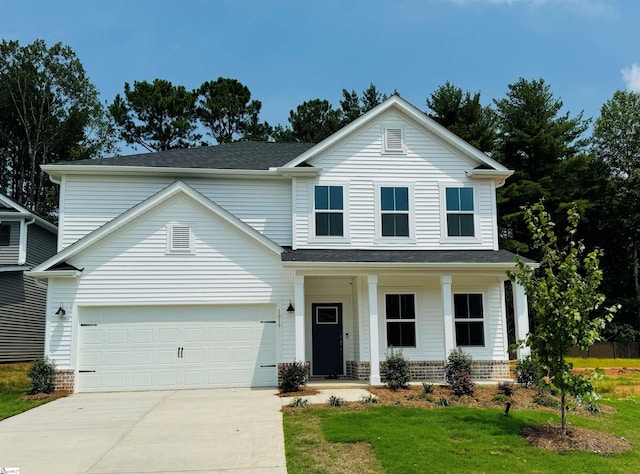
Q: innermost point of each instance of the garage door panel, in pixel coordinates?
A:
(165, 348)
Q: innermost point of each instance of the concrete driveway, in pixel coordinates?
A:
(192, 431)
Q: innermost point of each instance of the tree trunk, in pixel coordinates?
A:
(563, 411)
(636, 282)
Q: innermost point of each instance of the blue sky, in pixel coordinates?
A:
(289, 51)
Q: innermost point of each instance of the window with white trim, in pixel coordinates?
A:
(469, 319)
(394, 140)
(394, 211)
(329, 211)
(179, 239)
(460, 212)
(401, 319)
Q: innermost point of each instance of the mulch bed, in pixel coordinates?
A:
(46, 396)
(550, 437)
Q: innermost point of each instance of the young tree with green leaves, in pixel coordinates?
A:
(156, 115)
(226, 109)
(49, 111)
(563, 295)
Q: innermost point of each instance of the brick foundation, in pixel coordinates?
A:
(433, 370)
(65, 379)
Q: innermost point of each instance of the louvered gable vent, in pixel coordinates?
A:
(180, 238)
(393, 140)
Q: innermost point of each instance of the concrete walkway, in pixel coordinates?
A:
(194, 431)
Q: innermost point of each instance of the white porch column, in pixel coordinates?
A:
(298, 283)
(447, 305)
(521, 317)
(374, 339)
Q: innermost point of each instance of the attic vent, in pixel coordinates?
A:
(180, 238)
(393, 140)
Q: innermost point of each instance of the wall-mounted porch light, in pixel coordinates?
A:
(61, 312)
(290, 308)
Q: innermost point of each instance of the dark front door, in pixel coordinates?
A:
(327, 338)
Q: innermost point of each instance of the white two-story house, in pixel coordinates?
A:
(210, 267)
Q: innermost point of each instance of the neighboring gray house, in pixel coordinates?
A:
(26, 240)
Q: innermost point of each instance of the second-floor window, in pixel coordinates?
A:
(394, 208)
(459, 207)
(329, 211)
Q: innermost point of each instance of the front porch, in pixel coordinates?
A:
(344, 324)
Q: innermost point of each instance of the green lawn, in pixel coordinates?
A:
(14, 383)
(456, 439)
(592, 362)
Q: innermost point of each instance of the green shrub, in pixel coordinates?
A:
(293, 375)
(443, 402)
(506, 388)
(461, 384)
(458, 362)
(395, 370)
(299, 402)
(543, 399)
(529, 372)
(501, 398)
(370, 399)
(43, 376)
(335, 401)
(427, 388)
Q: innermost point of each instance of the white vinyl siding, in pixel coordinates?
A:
(427, 163)
(132, 267)
(89, 202)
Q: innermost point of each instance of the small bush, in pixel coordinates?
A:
(427, 388)
(335, 401)
(543, 399)
(462, 384)
(593, 408)
(370, 400)
(506, 388)
(395, 370)
(293, 375)
(458, 362)
(501, 398)
(529, 372)
(43, 376)
(443, 402)
(299, 402)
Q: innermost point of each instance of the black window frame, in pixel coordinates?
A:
(333, 212)
(460, 218)
(398, 324)
(395, 215)
(469, 322)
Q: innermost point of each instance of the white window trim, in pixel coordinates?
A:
(379, 239)
(182, 251)
(467, 320)
(399, 291)
(328, 239)
(444, 238)
(385, 150)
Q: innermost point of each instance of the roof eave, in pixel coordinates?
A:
(414, 265)
(45, 275)
(499, 176)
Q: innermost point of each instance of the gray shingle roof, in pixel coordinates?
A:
(238, 155)
(399, 256)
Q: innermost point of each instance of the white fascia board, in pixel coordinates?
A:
(56, 171)
(13, 268)
(305, 171)
(144, 207)
(45, 275)
(498, 176)
(29, 215)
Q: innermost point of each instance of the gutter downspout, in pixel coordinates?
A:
(22, 252)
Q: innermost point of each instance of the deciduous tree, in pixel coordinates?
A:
(563, 295)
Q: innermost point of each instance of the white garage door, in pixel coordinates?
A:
(156, 348)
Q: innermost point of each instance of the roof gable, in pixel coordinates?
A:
(147, 206)
(410, 113)
(9, 207)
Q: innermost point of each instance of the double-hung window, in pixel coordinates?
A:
(401, 320)
(459, 211)
(469, 319)
(329, 211)
(394, 209)
(5, 235)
